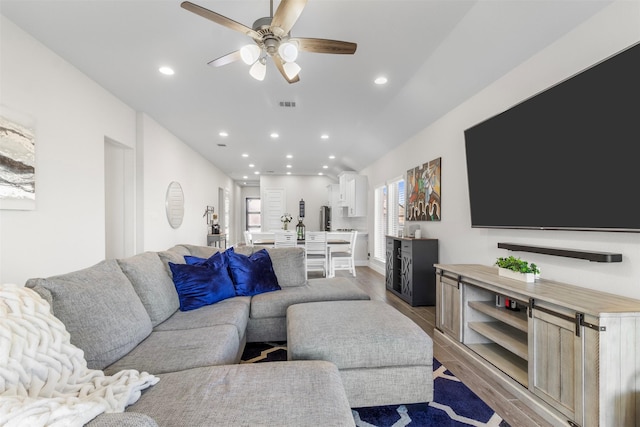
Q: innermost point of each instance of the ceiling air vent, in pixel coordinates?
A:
(222, 145)
(288, 104)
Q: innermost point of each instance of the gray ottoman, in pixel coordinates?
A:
(383, 357)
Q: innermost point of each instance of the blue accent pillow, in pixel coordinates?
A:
(194, 260)
(252, 274)
(200, 285)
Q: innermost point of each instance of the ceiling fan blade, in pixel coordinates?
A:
(280, 66)
(325, 46)
(226, 59)
(219, 19)
(286, 16)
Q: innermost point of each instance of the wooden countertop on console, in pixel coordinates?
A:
(583, 300)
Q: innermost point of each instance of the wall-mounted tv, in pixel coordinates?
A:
(566, 158)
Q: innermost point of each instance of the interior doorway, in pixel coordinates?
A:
(119, 183)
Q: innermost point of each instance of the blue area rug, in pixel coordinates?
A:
(454, 405)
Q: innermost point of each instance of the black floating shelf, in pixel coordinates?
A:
(568, 253)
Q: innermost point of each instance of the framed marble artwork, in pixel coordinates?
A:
(17, 160)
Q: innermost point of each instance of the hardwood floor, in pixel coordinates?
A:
(487, 388)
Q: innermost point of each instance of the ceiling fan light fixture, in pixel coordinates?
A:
(288, 51)
(259, 69)
(249, 53)
(291, 69)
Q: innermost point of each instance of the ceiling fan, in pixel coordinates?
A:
(271, 36)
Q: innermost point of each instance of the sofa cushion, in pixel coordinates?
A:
(175, 255)
(275, 304)
(122, 419)
(288, 264)
(100, 309)
(153, 285)
(232, 311)
(252, 275)
(201, 251)
(301, 394)
(170, 351)
(198, 286)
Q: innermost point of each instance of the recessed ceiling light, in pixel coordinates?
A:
(320, 173)
(289, 156)
(380, 80)
(251, 165)
(332, 157)
(288, 173)
(288, 166)
(167, 71)
(256, 173)
(324, 136)
(245, 155)
(223, 134)
(245, 177)
(325, 167)
(274, 135)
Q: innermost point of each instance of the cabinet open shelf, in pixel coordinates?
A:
(517, 319)
(507, 362)
(506, 336)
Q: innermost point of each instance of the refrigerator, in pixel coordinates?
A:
(325, 218)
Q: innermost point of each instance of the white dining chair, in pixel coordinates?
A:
(345, 259)
(285, 239)
(247, 239)
(315, 252)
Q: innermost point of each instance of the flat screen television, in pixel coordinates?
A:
(566, 158)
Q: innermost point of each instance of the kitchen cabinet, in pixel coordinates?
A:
(567, 352)
(343, 179)
(357, 196)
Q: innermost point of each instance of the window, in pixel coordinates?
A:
(389, 206)
(395, 201)
(254, 216)
(380, 222)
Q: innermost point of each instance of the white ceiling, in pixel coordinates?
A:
(435, 53)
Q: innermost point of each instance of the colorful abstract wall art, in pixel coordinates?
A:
(423, 192)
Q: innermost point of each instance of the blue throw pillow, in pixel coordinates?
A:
(198, 285)
(253, 274)
(216, 261)
(194, 260)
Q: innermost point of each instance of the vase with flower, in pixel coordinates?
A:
(285, 219)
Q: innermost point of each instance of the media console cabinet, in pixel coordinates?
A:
(571, 354)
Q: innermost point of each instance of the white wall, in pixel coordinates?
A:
(73, 117)
(610, 31)
(168, 159)
(312, 189)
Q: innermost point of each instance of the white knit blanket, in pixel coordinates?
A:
(44, 379)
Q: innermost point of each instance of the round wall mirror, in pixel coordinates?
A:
(174, 204)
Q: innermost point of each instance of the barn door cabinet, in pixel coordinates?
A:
(569, 353)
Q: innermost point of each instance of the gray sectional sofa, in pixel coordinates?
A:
(124, 314)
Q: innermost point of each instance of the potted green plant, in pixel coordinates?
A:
(515, 268)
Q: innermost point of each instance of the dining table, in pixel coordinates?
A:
(267, 240)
